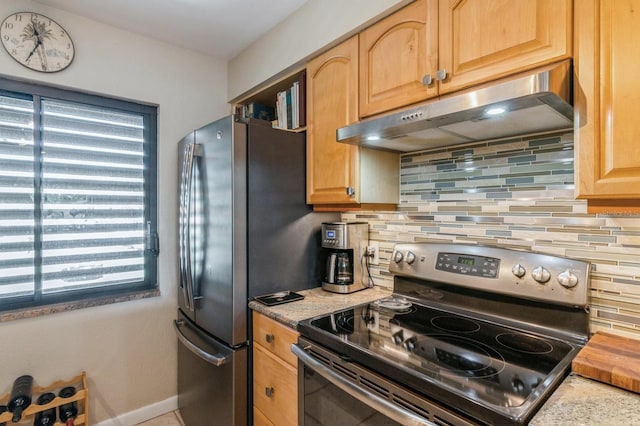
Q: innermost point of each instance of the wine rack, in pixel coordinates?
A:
(81, 397)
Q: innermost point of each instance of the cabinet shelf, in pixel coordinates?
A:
(81, 397)
(268, 97)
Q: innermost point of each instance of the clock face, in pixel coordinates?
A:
(37, 42)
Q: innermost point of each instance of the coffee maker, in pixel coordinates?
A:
(346, 244)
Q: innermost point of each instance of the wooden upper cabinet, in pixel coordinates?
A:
(332, 102)
(483, 40)
(396, 56)
(434, 47)
(607, 95)
(343, 177)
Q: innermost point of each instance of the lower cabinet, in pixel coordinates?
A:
(275, 373)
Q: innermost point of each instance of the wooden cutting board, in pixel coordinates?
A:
(610, 359)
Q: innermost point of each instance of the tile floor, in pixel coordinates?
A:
(169, 419)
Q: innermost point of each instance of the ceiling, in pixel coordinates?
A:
(219, 28)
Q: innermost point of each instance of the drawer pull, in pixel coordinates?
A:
(269, 391)
(270, 338)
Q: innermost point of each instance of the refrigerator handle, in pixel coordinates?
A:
(186, 274)
(216, 359)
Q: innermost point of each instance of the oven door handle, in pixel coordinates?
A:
(381, 405)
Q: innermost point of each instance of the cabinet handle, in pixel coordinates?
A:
(427, 80)
(441, 74)
(269, 392)
(269, 338)
(350, 191)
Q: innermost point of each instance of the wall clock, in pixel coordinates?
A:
(37, 42)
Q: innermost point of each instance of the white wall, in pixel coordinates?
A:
(127, 349)
(308, 30)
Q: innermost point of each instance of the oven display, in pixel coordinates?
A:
(478, 266)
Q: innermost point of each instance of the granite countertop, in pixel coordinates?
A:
(577, 401)
(317, 302)
(582, 401)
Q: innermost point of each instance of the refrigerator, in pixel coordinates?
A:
(245, 230)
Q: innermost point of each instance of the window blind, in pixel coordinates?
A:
(76, 205)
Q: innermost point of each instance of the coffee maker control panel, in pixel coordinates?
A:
(333, 236)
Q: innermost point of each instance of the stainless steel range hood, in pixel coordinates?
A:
(536, 102)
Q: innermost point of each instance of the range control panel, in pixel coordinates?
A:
(519, 273)
(479, 266)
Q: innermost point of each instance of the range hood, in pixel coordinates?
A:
(529, 103)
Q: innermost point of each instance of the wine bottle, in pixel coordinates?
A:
(48, 416)
(69, 411)
(20, 396)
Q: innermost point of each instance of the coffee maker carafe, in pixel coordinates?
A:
(346, 243)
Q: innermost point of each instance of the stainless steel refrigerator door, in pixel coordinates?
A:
(221, 290)
(212, 379)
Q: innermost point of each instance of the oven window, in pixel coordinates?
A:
(325, 404)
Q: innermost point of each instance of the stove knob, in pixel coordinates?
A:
(541, 274)
(568, 279)
(397, 337)
(410, 344)
(397, 257)
(410, 258)
(518, 270)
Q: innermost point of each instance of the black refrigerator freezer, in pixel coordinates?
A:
(244, 230)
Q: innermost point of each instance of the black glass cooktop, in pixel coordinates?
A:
(425, 347)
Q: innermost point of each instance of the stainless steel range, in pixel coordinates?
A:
(471, 335)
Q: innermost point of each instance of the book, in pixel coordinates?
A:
(288, 109)
(294, 105)
(302, 99)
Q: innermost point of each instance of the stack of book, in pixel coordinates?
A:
(290, 105)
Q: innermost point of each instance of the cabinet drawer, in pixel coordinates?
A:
(275, 387)
(260, 419)
(275, 337)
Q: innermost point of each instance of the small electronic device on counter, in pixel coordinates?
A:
(346, 243)
(279, 298)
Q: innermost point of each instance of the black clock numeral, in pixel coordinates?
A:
(8, 25)
(6, 37)
(14, 52)
(18, 18)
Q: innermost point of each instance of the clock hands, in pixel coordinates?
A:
(38, 43)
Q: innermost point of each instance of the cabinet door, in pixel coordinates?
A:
(607, 95)
(397, 55)
(483, 40)
(275, 387)
(332, 102)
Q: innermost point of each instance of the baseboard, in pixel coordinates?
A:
(143, 414)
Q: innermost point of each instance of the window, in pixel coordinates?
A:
(77, 196)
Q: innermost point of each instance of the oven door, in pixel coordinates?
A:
(332, 391)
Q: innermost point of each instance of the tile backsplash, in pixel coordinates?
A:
(516, 193)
